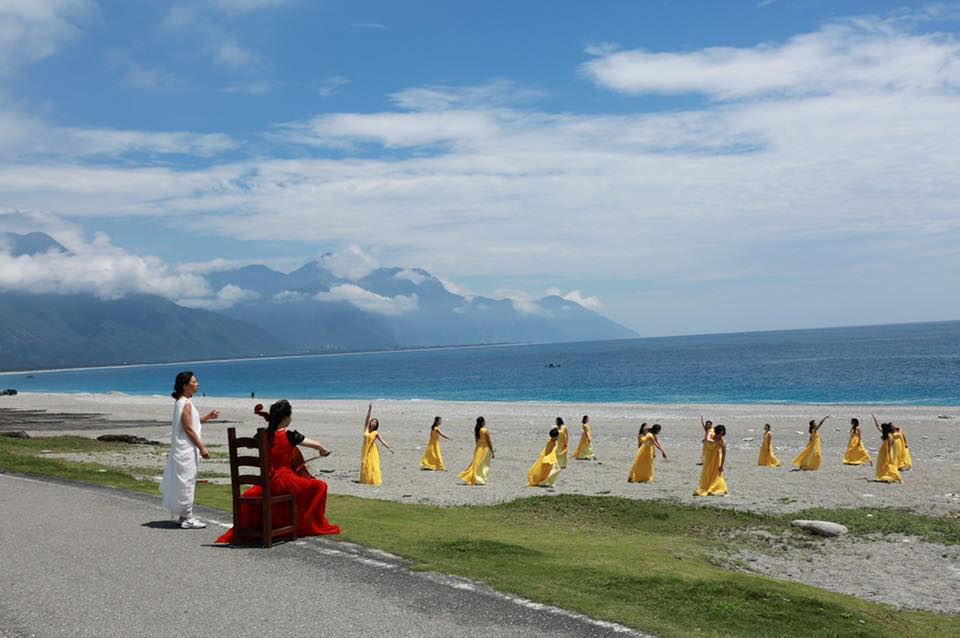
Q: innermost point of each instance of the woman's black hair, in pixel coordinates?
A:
(886, 429)
(183, 378)
(559, 421)
(278, 412)
(554, 433)
(655, 428)
(643, 427)
(812, 425)
(476, 429)
(719, 429)
(766, 426)
(854, 423)
(436, 423)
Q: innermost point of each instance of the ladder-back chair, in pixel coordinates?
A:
(266, 531)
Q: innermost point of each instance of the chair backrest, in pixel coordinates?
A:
(261, 461)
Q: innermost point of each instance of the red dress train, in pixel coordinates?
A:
(310, 495)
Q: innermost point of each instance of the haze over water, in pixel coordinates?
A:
(911, 364)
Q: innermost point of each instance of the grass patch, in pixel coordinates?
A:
(648, 565)
(62, 444)
(864, 521)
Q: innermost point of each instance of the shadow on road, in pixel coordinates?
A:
(162, 525)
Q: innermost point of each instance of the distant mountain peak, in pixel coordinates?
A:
(35, 243)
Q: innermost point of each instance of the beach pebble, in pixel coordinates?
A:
(748, 439)
(821, 528)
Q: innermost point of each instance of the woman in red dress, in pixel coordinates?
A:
(310, 493)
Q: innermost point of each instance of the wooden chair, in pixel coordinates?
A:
(266, 532)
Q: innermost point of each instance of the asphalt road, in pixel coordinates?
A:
(82, 561)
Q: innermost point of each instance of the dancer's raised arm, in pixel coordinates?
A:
(877, 423)
(817, 426)
(366, 421)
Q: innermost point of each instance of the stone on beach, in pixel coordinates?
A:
(821, 528)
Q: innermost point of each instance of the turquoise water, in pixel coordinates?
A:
(911, 364)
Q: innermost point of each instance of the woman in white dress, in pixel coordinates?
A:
(186, 449)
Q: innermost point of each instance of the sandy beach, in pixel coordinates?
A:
(519, 431)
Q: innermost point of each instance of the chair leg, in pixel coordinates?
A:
(267, 525)
(293, 517)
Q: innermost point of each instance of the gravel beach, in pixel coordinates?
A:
(519, 430)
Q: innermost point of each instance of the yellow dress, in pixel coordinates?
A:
(585, 448)
(370, 460)
(904, 462)
(544, 471)
(563, 446)
(432, 460)
(703, 453)
(810, 458)
(642, 470)
(887, 471)
(476, 474)
(711, 480)
(767, 457)
(856, 454)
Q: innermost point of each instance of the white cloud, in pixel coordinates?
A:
(22, 135)
(139, 76)
(494, 94)
(590, 303)
(285, 296)
(352, 263)
(853, 56)
(370, 301)
(98, 268)
(331, 85)
(244, 6)
(32, 30)
(411, 275)
(375, 26)
(232, 54)
(248, 88)
(396, 130)
(528, 307)
(226, 297)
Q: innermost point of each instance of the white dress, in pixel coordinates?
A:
(180, 473)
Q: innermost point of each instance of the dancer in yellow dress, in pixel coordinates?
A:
(544, 471)
(707, 437)
(810, 457)
(712, 482)
(477, 473)
(904, 460)
(648, 444)
(856, 453)
(585, 448)
(370, 453)
(767, 457)
(887, 471)
(432, 459)
(563, 443)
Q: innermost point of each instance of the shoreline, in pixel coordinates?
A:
(943, 408)
(519, 431)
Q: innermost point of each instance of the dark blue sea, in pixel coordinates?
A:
(910, 364)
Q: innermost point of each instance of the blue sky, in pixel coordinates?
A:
(683, 167)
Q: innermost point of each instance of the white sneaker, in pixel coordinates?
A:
(192, 523)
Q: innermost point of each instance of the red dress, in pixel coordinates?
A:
(310, 495)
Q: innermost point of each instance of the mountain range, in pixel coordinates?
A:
(311, 309)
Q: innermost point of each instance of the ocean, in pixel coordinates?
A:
(908, 364)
